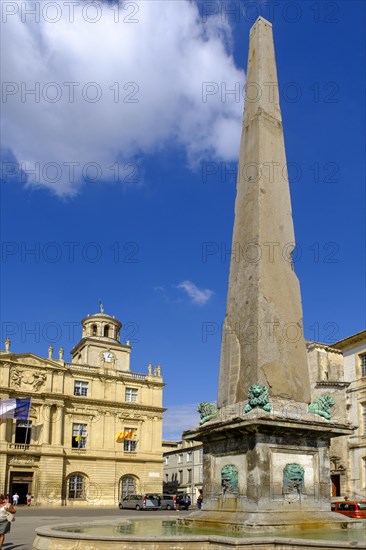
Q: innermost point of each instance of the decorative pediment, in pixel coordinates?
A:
(27, 379)
(29, 359)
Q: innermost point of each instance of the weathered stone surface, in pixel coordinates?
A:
(263, 340)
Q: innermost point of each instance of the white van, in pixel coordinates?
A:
(140, 502)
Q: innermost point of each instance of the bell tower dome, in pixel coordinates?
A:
(100, 344)
(101, 326)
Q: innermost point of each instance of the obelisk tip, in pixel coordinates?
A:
(260, 21)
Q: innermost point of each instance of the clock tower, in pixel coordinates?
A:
(100, 344)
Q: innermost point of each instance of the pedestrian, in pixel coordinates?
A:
(199, 501)
(15, 499)
(4, 521)
(29, 499)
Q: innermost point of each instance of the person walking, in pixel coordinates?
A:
(187, 502)
(4, 522)
(15, 499)
(28, 497)
(199, 501)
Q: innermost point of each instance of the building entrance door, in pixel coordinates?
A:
(21, 483)
(336, 485)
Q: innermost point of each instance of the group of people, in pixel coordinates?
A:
(15, 499)
(183, 502)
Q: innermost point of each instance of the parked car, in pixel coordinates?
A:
(140, 502)
(350, 508)
(168, 502)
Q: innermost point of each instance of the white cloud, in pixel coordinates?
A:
(158, 65)
(197, 295)
(179, 418)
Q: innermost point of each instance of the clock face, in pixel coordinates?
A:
(107, 356)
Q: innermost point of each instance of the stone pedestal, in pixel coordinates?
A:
(267, 471)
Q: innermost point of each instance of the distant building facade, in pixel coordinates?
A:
(95, 428)
(354, 356)
(183, 469)
(327, 377)
(340, 371)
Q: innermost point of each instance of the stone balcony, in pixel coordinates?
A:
(23, 447)
(108, 372)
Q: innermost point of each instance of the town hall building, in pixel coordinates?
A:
(94, 431)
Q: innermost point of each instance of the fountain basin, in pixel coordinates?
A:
(168, 534)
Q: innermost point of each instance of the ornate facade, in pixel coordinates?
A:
(95, 428)
(327, 378)
(340, 372)
(354, 355)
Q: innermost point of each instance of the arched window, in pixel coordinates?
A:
(77, 487)
(128, 486)
(106, 330)
(94, 330)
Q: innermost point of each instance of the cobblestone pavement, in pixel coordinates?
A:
(27, 520)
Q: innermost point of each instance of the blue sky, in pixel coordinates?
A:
(152, 240)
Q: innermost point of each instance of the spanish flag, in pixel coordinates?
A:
(125, 435)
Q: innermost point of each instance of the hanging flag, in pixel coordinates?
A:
(130, 434)
(15, 408)
(79, 437)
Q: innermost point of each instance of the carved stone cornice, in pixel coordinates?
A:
(318, 345)
(15, 360)
(334, 383)
(359, 337)
(110, 405)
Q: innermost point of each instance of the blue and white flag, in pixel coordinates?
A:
(15, 408)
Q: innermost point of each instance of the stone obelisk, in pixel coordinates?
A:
(263, 338)
(265, 451)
